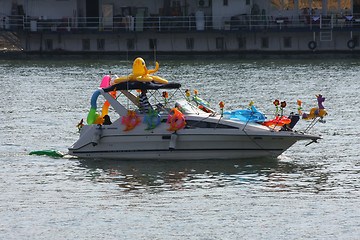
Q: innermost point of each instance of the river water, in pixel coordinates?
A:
(309, 192)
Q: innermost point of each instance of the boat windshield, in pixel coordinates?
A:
(185, 106)
(157, 97)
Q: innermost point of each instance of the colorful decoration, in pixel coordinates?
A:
(222, 104)
(299, 108)
(138, 96)
(105, 82)
(51, 153)
(282, 106)
(130, 121)
(177, 120)
(203, 105)
(204, 109)
(80, 125)
(187, 95)
(105, 108)
(252, 107)
(316, 112)
(93, 116)
(152, 120)
(246, 115)
(276, 103)
(251, 104)
(278, 121)
(141, 73)
(165, 96)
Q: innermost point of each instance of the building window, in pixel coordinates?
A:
(220, 43)
(275, 5)
(332, 4)
(283, 4)
(85, 44)
(287, 42)
(242, 42)
(152, 43)
(225, 2)
(316, 4)
(189, 43)
(304, 4)
(247, 2)
(49, 44)
(346, 4)
(100, 44)
(289, 5)
(265, 42)
(130, 43)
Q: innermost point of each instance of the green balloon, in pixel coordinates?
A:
(91, 116)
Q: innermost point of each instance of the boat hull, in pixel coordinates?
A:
(178, 154)
(221, 144)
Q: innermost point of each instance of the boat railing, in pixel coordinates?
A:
(242, 22)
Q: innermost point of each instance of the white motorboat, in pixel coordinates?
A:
(184, 132)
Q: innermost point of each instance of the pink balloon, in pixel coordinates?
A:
(105, 81)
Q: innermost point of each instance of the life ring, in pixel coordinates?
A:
(351, 44)
(312, 45)
(130, 121)
(177, 120)
(151, 124)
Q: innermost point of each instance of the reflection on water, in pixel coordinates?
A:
(182, 175)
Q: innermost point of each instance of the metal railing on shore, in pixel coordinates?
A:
(179, 23)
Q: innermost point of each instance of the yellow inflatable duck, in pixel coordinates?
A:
(141, 73)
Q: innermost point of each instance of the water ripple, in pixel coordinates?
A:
(310, 192)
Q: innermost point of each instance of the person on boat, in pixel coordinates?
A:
(144, 102)
(107, 120)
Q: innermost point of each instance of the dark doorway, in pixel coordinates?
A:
(92, 13)
(356, 7)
